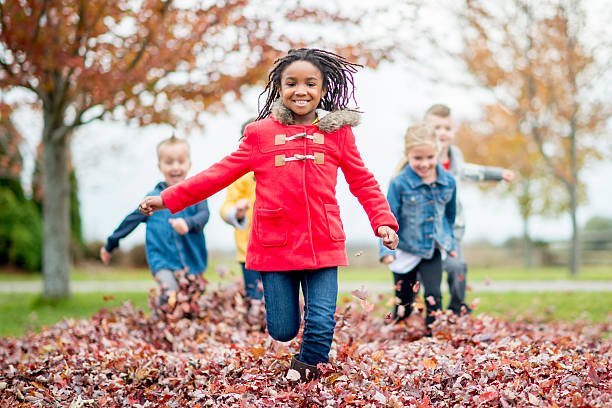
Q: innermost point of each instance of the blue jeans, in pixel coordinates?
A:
(251, 282)
(282, 296)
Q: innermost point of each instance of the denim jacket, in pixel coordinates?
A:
(425, 212)
(166, 248)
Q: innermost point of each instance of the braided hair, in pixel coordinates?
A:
(337, 73)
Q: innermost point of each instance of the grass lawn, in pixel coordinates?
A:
(476, 274)
(20, 313)
(378, 273)
(23, 312)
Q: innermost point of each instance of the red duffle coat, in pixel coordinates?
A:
(296, 219)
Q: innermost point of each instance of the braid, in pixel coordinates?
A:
(337, 73)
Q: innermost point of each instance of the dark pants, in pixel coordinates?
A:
(251, 283)
(456, 270)
(282, 298)
(430, 271)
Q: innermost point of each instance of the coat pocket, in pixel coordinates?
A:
(334, 223)
(272, 227)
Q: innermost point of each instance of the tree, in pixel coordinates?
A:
(544, 68)
(142, 61)
(496, 139)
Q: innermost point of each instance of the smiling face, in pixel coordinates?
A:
(444, 129)
(301, 90)
(422, 159)
(174, 162)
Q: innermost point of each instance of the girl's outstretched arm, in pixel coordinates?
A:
(207, 182)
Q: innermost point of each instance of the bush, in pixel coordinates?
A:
(21, 235)
(138, 256)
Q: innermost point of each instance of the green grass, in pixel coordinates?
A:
(546, 306)
(21, 313)
(24, 312)
(476, 274)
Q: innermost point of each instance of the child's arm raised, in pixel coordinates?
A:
(207, 182)
(202, 185)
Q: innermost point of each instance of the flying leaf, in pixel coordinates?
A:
(360, 293)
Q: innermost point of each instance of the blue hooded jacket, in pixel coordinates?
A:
(167, 249)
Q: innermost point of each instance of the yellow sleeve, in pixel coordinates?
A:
(235, 192)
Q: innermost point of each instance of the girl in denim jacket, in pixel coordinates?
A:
(422, 198)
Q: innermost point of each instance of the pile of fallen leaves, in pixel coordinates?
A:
(209, 348)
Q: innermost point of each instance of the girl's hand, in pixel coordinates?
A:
(387, 259)
(389, 237)
(508, 175)
(179, 225)
(105, 256)
(453, 253)
(151, 204)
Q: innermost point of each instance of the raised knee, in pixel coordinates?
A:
(283, 333)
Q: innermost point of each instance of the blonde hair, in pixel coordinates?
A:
(416, 135)
(439, 110)
(172, 140)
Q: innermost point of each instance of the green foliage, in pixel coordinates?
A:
(598, 224)
(20, 229)
(597, 234)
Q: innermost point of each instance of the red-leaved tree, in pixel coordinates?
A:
(142, 61)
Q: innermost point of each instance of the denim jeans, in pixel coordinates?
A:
(251, 282)
(456, 270)
(282, 297)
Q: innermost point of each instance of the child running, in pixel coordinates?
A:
(422, 197)
(173, 241)
(439, 118)
(302, 136)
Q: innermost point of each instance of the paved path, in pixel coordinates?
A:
(372, 287)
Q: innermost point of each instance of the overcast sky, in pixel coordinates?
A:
(117, 165)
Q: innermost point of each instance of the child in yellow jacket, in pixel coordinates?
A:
(237, 211)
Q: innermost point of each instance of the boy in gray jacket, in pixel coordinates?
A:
(439, 117)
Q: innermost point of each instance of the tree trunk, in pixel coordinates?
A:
(574, 257)
(56, 216)
(524, 201)
(527, 246)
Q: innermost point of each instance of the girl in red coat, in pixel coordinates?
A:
(301, 137)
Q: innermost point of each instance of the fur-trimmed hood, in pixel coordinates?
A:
(328, 121)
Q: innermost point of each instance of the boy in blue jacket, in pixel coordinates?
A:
(173, 241)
